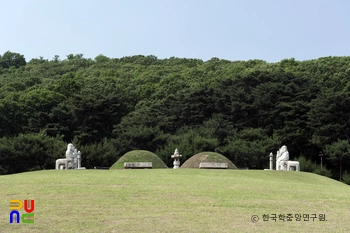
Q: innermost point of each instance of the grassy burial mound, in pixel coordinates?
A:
(139, 156)
(207, 157)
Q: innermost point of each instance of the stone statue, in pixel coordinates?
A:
(71, 159)
(71, 156)
(282, 161)
(60, 164)
(281, 158)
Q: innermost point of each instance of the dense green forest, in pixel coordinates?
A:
(109, 106)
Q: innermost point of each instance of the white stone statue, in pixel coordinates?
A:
(71, 159)
(281, 158)
(282, 161)
(71, 156)
(60, 164)
(176, 156)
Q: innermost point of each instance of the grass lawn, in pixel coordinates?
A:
(182, 200)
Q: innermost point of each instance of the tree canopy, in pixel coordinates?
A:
(241, 109)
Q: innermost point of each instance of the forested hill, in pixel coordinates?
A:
(108, 106)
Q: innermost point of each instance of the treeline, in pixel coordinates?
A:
(108, 106)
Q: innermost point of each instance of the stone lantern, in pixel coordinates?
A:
(176, 156)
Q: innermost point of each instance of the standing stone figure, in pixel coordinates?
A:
(71, 156)
(281, 158)
(71, 159)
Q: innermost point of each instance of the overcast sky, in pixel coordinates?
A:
(270, 30)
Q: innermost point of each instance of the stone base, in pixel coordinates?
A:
(137, 165)
(214, 165)
(293, 166)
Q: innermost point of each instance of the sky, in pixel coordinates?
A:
(270, 30)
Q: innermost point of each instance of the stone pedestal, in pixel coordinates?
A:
(176, 156)
(293, 166)
(79, 159)
(271, 161)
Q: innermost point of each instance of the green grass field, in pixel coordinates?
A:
(182, 200)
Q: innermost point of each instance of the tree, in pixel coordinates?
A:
(339, 151)
(9, 59)
(103, 154)
(101, 59)
(70, 56)
(250, 148)
(329, 116)
(11, 116)
(36, 106)
(28, 152)
(56, 59)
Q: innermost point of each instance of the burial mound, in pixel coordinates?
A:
(139, 156)
(207, 157)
